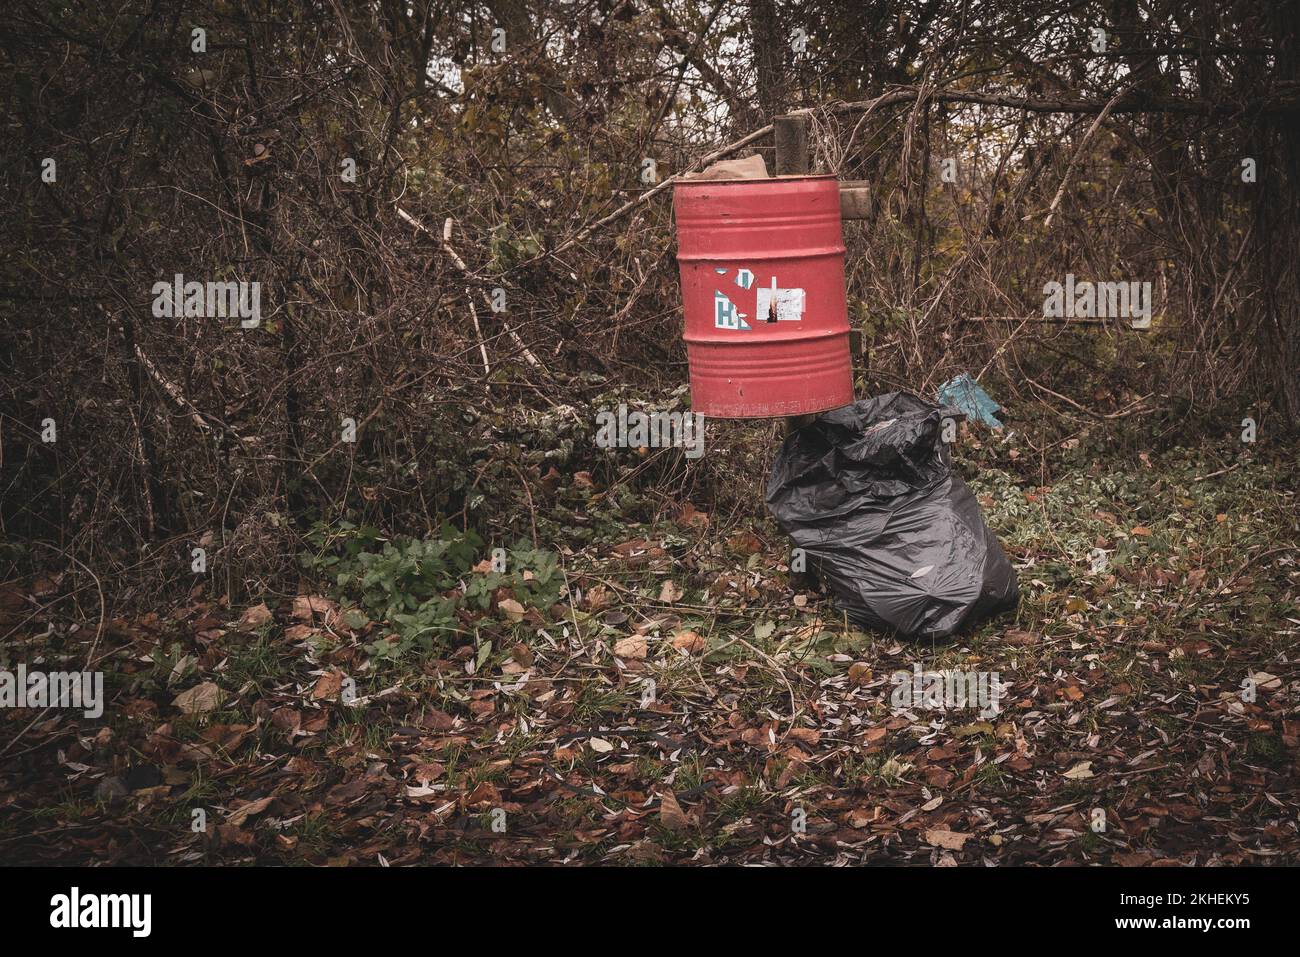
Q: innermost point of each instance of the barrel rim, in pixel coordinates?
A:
(754, 182)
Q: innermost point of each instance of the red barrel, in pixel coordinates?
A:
(762, 263)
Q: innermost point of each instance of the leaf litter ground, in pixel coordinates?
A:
(688, 700)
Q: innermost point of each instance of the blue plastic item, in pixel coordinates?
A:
(964, 394)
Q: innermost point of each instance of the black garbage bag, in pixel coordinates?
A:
(868, 492)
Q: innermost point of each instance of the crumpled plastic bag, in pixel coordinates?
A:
(868, 492)
(964, 393)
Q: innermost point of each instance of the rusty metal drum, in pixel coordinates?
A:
(762, 268)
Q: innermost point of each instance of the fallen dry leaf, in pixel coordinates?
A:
(669, 592)
(745, 543)
(690, 517)
(199, 699)
(239, 815)
(484, 793)
(597, 597)
(305, 606)
(300, 632)
(428, 771)
(327, 685)
(809, 736)
(949, 840)
(1021, 639)
(254, 618)
(689, 642)
(634, 646)
(861, 816)
(671, 815)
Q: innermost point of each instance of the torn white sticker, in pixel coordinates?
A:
(780, 305)
(744, 279)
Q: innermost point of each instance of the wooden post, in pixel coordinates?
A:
(791, 136)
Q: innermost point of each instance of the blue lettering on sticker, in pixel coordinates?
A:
(725, 315)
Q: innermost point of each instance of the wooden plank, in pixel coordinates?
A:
(855, 199)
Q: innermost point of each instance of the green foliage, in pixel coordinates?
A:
(876, 322)
(418, 586)
(509, 248)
